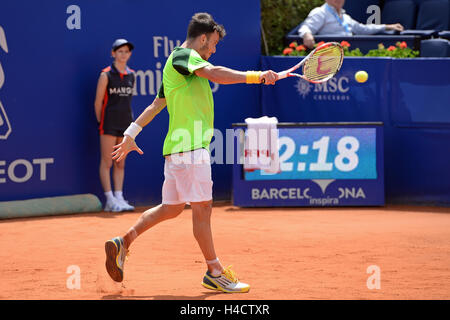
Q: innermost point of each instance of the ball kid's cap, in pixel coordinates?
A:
(121, 42)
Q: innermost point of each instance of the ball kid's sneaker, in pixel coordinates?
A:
(114, 206)
(125, 205)
(226, 282)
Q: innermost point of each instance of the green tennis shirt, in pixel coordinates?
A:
(189, 102)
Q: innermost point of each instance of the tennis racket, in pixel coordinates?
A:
(319, 65)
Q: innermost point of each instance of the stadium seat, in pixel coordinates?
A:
(417, 2)
(400, 11)
(435, 48)
(433, 16)
(444, 35)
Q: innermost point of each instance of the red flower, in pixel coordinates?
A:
(403, 45)
(301, 48)
(345, 44)
(293, 44)
(287, 51)
(391, 48)
(320, 43)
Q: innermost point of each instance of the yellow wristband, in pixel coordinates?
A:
(253, 77)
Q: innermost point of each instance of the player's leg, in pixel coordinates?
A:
(106, 148)
(170, 208)
(150, 218)
(217, 277)
(201, 227)
(117, 248)
(195, 185)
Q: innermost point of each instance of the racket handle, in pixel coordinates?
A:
(281, 75)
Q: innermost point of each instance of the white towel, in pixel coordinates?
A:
(261, 145)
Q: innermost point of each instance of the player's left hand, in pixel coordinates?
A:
(269, 77)
(122, 149)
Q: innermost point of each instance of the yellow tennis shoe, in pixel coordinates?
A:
(226, 282)
(116, 254)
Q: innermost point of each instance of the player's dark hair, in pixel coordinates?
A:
(203, 23)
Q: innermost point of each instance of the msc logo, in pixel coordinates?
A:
(5, 127)
(334, 89)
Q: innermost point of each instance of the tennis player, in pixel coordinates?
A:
(114, 115)
(187, 93)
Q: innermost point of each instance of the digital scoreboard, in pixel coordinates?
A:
(322, 164)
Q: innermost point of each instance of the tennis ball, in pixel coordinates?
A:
(361, 76)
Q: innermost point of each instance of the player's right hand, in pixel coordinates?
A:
(269, 77)
(122, 149)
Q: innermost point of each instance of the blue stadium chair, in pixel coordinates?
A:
(400, 11)
(435, 48)
(417, 2)
(433, 16)
(357, 9)
(444, 35)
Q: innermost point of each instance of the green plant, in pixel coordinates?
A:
(300, 50)
(400, 50)
(351, 53)
(278, 17)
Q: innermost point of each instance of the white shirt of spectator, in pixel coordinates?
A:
(321, 21)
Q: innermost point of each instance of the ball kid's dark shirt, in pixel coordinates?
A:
(116, 113)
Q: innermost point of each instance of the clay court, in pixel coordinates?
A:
(284, 253)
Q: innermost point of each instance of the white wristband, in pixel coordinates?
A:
(133, 130)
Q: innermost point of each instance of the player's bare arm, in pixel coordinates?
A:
(100, 94)
(151, 111)
(128, 143)
(223, 75)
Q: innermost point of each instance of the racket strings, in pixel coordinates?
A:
(323, 64)
(319, 69)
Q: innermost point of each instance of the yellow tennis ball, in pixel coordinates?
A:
(361, 76)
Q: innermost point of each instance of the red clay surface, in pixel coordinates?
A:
(282, 253)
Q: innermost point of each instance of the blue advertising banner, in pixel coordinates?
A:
(52, 52)
(339, 99)
(51, 56)
(321, 165)
(410, 97)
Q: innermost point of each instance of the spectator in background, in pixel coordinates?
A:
(331, 19)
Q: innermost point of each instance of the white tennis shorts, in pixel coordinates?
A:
(187, 177)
